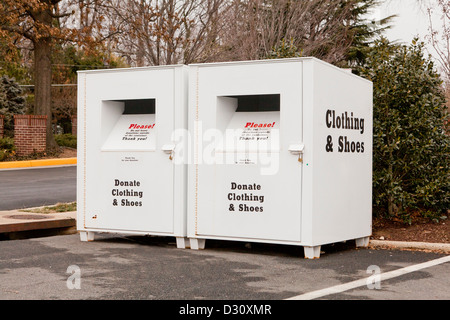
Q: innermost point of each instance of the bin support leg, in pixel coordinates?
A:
(182, 243)
(197, 244)
(362, 242)
(312, 252)
(86, 236)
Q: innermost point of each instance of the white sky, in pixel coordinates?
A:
(412, 20)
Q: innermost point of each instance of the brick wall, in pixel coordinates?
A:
(2, 118)
(29, 134)
(74, 125)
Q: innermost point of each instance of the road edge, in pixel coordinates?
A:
(384, 244)
(37, 163)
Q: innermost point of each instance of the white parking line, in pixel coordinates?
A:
(362, 282)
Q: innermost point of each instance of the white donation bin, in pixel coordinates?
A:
(127, 176)
(282, 153)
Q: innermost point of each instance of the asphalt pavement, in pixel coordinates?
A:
(34, 187)
(118, 267)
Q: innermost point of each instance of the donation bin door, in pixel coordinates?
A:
(249, 183)
(129, 175)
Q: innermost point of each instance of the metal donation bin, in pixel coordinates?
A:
(282, 153)
(127, 178)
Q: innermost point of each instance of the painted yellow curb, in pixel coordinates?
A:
(37, 163)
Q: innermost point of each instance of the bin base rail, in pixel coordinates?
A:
(182, 242)
(311, 252)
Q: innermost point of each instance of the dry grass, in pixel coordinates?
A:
(59, 207)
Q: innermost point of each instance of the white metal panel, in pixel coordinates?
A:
(342, 155)
(308, 155)
(128, 184)
(180, 139)
(258, 194)
(81, 154)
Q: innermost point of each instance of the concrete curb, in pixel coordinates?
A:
(37, 163)
(18, 221)
(383, 244)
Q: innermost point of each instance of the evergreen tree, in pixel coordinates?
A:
(11, 102)
(364, 31)
(346, 44)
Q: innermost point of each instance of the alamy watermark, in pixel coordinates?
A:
(374, 281)
(255, 146)
(74, 280)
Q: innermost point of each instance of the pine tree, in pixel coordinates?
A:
(12, 102)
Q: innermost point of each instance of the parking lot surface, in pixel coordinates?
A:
(152, 268)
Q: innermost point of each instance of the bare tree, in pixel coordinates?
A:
(162, 32)
(42, 24)
(320, 28)
(34, 21)
(440, 40)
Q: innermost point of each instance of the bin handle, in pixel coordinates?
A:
(297, 149)
(169, 149)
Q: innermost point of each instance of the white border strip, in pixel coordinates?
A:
(363, 282)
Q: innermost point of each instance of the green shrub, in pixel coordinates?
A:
(411, 148)
(66, 140)
(7, 148)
